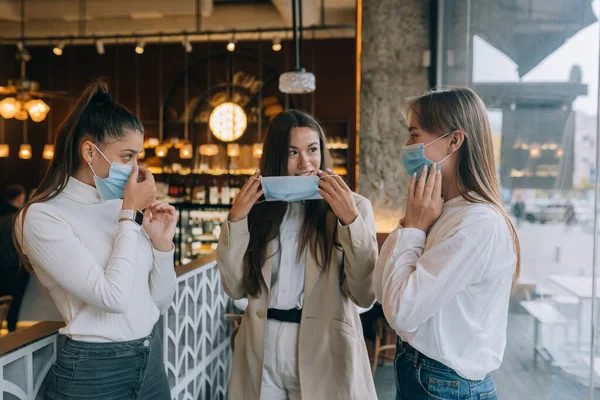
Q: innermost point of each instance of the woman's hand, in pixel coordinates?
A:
(424, 203)
(140, 191)
(160, 220)
(246, 198)
(339, 196)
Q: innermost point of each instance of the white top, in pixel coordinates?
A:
(287, 276)
(106, 279)
(447, 293)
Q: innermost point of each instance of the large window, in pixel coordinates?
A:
(535, 64)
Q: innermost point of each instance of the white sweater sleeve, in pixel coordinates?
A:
(162, 279)
(413, 285)
(50, 244)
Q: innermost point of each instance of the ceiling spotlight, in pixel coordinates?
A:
(276, 44)
(140, 47)
(187, 45)
(58, 49)
(231, 45)
(100, 47)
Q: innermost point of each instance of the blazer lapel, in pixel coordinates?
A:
(312, 269)
(267, 268)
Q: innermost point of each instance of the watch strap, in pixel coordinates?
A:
(132, 215)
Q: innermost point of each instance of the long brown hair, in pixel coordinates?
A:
(461, 109)
(265, 218)
(95, 117)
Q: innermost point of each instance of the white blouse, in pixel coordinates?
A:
(446, 293)
(106, 279)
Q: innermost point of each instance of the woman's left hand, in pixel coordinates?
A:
(424, 202)
(339, 196)
(160, 220)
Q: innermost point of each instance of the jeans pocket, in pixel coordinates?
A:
(492, 395)
(439, 384)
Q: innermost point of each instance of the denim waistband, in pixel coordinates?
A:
(417, 357)
(104, 349)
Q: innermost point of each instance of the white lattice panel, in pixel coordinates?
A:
(23, 371)
(196, 337)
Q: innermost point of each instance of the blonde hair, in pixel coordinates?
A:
(461, 109)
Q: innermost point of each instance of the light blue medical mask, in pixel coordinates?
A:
(414, 160)
(290, 188)
(113, 186)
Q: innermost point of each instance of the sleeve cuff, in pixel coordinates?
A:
(238, 228)
(164, 257)
(412, 236)
(128, 225)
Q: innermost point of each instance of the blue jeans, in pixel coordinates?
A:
(115, 371)
(419, 377)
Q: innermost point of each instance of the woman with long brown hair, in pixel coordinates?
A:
(107, 262)
(304, 258)
(444, 276)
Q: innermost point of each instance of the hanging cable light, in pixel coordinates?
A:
(25, 148)
(139, 48)
(257, 149)
(228, 120)
(187, 45)
(4, 148)
(161, 149)
(100, 46)
(231, 43)
(208, 149)
(276, 43)
(58, 49)
(48, 152)
(186, 151)
(297, 81)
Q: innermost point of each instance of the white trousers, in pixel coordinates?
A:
(280, 377)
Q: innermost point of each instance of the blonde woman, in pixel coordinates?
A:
(444, 275)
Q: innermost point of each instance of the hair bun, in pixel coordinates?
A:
(102, 97)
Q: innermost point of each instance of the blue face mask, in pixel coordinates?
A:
(414, 160)
(290, 188)
(113, 186)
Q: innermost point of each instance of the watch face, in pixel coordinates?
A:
(139, 218)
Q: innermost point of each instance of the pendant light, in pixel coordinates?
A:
(161, 149)
(228, 120)
(25, 148)
(209, 149)
(21, 106)
(186, 151)
(136, 64)
(48, 152)
(257, 149)
(297, 81)
(4, 148)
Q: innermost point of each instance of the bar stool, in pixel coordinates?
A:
(385, 340)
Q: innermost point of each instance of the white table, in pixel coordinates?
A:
(580, 287)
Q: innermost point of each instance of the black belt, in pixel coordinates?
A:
(293, 315)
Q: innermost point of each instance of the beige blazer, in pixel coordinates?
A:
(332, 356)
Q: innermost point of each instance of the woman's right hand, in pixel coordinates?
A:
(246, 198)
(139, 193)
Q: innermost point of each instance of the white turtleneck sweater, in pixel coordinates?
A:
(106, 279)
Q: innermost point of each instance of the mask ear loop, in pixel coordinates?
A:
(90, 165)
(102, 154)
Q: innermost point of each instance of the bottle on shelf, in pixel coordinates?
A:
(214, 193)
(225, 193)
